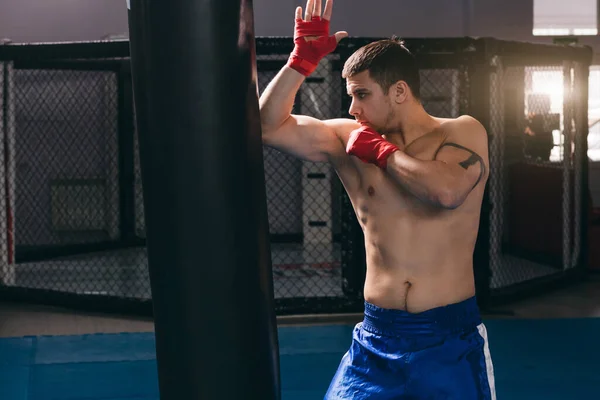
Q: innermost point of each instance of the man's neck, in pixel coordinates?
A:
(412, 125)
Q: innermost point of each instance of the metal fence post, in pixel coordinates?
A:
(579, 258)
(126, 149)
(7, 172)
(567, 200)
(479, 79)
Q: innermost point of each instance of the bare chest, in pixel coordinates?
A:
(378, 196)
(375, 193)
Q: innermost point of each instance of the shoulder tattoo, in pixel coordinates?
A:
(473, 159)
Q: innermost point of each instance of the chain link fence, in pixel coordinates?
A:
(72, 228)
(539, 187)
(303, 199)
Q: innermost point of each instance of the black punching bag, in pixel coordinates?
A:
(197, 115)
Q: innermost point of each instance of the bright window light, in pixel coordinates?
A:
(550, 83)
(594, 114)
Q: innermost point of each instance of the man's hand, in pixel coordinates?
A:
(311, 37)
(370, 147)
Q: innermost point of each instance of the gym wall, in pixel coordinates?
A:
(84, 20)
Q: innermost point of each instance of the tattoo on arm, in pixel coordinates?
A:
(473, 159)
(470, 161)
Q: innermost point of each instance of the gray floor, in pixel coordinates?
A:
(298, 271)
(508, 270)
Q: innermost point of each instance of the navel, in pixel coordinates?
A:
(371, 191)
(407, 285)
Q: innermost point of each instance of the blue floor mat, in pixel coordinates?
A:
(533, 359)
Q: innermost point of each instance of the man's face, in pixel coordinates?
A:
(370, 105)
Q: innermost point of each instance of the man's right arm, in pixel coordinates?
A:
(302, 136)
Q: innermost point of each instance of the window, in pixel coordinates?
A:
(564, 18)
(594, 114)
(544, 94)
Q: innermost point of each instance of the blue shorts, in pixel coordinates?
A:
(441, 353)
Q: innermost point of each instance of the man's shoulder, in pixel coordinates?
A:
(342, 127)
(464, 127)
(465, 123)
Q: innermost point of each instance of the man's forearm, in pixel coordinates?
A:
(432, 182)
(277, 100)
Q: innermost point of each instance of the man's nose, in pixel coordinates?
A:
(353, 110)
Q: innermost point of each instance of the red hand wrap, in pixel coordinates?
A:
(307, 54)
(370, 147)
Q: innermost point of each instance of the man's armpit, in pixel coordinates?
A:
(342, 128)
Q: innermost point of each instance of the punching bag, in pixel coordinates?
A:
(197, 116)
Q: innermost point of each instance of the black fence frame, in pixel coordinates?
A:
(471, 56)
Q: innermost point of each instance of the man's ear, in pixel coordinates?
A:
(400, 91)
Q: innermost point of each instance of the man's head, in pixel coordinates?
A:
(382, 78)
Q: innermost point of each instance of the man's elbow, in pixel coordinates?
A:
(267, 136)
(266, 119)
(267, 128)
(449, 199)
(268, 124)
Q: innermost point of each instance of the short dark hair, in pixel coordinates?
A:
(388, 61)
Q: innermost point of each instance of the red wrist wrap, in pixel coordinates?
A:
(370, 147)
(307, 54)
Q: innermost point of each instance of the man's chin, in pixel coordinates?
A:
(367, 124)
(371, 126)
(377, 129)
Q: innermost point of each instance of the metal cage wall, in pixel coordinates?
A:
(72, 229)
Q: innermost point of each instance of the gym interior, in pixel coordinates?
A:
(76, 309)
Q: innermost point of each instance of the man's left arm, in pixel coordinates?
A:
(458, 167)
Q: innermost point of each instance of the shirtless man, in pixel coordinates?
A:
(416, 183)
